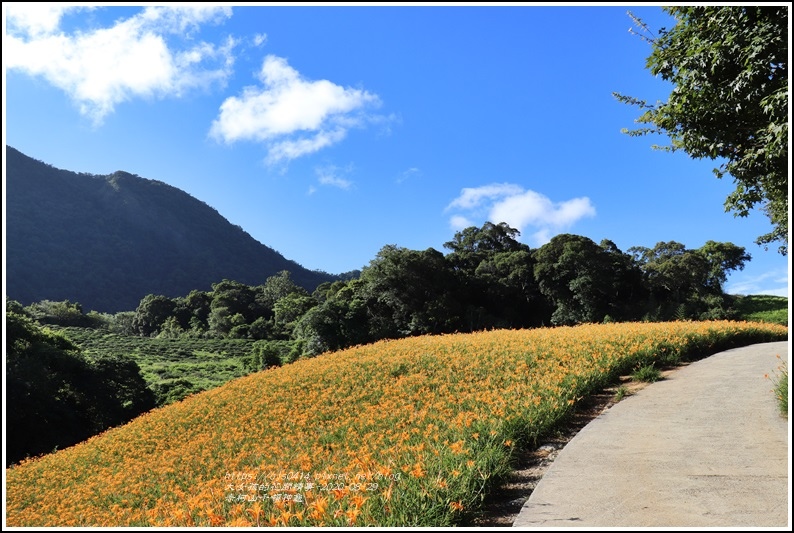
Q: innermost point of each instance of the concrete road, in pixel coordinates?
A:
(705, 447)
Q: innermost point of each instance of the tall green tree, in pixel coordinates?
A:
(57, 397)
(494, 278)
(151, 313)
(508, 290)
(687, 281)
(585, 281)
(722, 258)
(192, 311)
(275, 288)
(233, 305)
(673, 274)
(729, 68)
(63, 313)
(289, 308)
(341, 319)
(409, 292)
(472, 245)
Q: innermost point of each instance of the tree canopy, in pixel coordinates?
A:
(59, 396)
(488, 280)
(586, 282)
(729, 68)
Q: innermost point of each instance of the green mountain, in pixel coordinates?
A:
(108, 241)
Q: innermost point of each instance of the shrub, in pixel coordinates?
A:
(647, 373)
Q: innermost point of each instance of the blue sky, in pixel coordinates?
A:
(327, 132)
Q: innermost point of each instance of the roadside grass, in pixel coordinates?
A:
(621, 393)
(412, 432)
(780, 380)
(647, 373)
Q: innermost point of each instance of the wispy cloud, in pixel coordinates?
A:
(519, 208)
(474, 197)
(260, 39)
(292, 116)
(334, 176)
(136, 57)
(775, 283)
(412, 172)
(290, 149)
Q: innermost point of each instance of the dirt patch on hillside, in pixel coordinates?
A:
(502, 506)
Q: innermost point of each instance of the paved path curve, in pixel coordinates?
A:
(705, 447)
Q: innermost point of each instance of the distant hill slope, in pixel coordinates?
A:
(108, 241)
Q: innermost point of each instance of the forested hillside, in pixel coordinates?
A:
(107, 241)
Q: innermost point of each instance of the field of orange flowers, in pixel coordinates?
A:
(410, 432)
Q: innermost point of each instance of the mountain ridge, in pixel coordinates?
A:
(106, 241)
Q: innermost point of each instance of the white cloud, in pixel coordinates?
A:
(293, 148)
(471, 198)
(459, 222)
(333, 176)
(102, 68)
(774, 283)
(532, 208)
(183, 19)
(260, 39)
(410, 173)
(291, 115)
(36, 19)
(520, 209)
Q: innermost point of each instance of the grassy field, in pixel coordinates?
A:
(172, 368)
(411, 432)
(763, 308)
